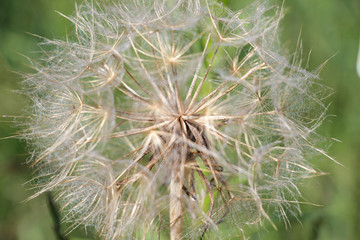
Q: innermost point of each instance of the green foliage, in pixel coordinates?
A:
(328, 27)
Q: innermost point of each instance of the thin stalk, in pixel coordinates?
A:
(176, 206)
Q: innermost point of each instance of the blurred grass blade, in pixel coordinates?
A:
(358, 61)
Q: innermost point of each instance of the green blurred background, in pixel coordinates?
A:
(330, 29)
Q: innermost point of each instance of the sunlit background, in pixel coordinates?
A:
(330, 30)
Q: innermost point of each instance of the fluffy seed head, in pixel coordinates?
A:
(174, 114)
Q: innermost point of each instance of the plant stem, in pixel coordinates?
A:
(56, 217)
(176, 206)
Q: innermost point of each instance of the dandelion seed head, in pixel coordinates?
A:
(174, 117)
